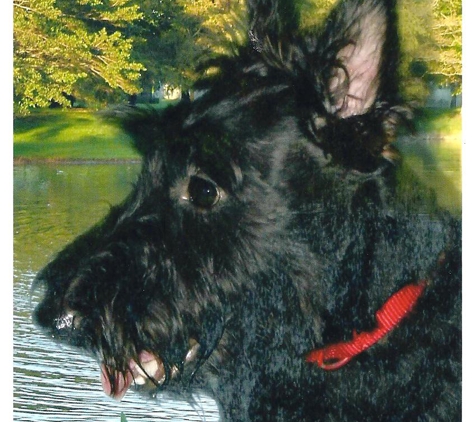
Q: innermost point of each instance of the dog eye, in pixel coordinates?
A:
(202, 192)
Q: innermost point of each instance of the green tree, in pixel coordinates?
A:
(165, 42)
(431, 34)
(64, 48)
(448, 39)
(173, 36)
(417, 44)
(223, 23)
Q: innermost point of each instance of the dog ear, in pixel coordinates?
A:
(361, 40)
(271, 22)
(352, 59)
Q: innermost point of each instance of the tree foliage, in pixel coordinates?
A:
(59, 44)
(223, 23)
(102, 47)
(448, 39)
(417, 45)
(173, 36)
(165, 42)
(431, 34)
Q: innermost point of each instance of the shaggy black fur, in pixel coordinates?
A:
(270, 218)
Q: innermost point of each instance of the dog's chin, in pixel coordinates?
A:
(145, 375)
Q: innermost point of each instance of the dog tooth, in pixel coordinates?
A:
(193, 351)
(151, 367)
(140, 380)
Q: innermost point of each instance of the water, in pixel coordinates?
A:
(52, 205)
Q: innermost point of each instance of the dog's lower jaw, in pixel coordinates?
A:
(148, 372)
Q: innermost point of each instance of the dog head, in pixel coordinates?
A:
(151, 290)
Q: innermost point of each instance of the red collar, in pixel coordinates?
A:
(396, 308)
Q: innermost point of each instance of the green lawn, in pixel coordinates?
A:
(80, 134)
(70, 134)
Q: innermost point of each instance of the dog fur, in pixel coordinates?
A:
(270, 219)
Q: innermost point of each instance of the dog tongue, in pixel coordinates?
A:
(149, 367)
(121, 383)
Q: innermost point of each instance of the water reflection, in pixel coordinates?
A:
(52, 205)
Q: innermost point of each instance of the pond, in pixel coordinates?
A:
(53, 204)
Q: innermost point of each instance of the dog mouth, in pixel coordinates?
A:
(148, 372)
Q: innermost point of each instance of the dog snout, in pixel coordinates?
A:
(59, 324)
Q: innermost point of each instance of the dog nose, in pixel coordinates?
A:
(65, 325)
(55, 326)
(64, 322)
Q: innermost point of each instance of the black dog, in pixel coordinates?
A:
(271, 253)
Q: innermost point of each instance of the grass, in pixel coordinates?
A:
(78, 134)
(70, 134)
